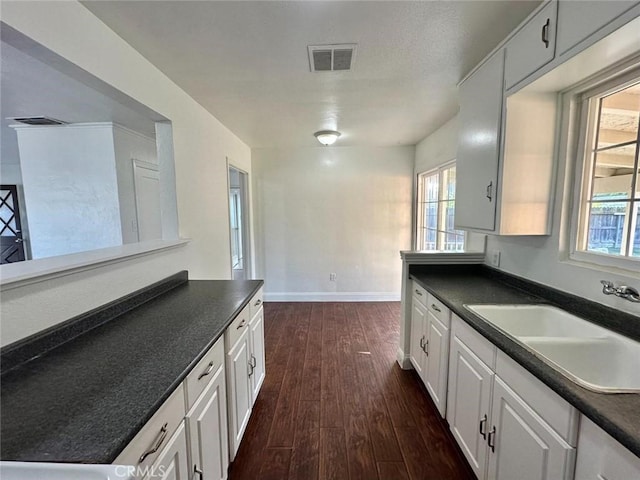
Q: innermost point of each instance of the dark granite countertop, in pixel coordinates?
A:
(617, 414)
(85, 400)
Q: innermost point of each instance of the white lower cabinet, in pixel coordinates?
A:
(600, 457)
(469, 400)
(429, 351)
(245, 359)
(256, 345)
(501, 435)
(239, 392)
(171, 464)
(522, 445)
(207, 431)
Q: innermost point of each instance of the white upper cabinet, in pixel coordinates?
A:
(578, 20)
(532, 46)
(481, 97)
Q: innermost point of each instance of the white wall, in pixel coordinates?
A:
(342, 210)
(201, 145)
(435, 150)
(70, 188)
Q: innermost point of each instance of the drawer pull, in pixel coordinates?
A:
(418, 292)
(207, 371)
(258, 302)
(156, 447)
(244, 320)
(482, 430)
(492, 439)
(435, 307)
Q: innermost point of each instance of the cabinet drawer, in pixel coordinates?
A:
(420, 294)
(237, 328)
(146, 446)
(203, 372)
(532, 47)
(256, 303)
(480, 346)
(554, 410)
(439, 310)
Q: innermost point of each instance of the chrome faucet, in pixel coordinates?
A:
(628, 293)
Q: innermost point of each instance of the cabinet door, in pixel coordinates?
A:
(256, 342)
(207, 430)
(437, 361)
(481, 97)
(239, 391)
(171, 464)
(418, 337)
(470, 382)
(522, 445)
(532, 47)
(592, 16)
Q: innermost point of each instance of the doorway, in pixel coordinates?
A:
(239, 224)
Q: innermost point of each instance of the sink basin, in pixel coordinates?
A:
(63, 471)
(590, 355)
(536, 321)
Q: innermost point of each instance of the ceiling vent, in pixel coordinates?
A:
(331, 58)
(38, 120)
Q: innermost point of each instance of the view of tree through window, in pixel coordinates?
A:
(610, 223)
(436, 208)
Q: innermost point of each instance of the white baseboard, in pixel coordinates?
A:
(332, 297)
(403, 360)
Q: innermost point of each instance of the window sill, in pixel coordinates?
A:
(604, 263)
(16, 275)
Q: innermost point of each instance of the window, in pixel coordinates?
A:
(436, 206)
(609, 211)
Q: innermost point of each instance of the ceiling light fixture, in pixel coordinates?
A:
(327, 137)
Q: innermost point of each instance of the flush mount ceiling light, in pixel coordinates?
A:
(327, 137)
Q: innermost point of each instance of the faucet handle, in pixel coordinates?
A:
(629, 293)
(607, 287)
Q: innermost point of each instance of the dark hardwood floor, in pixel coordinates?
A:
(336, 405)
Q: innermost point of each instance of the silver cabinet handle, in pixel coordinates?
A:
(422, 343)
(545, 33)
(483, 431)
(426, 344)
(258, 302)
(254, 362)
(207, 371)
(156, 447)
(244, 320)
(490, 190)
(418, 292)
(435, 307)
(492, 438)
(197, 471)
(250, 365)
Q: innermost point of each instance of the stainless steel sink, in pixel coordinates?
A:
(590, 355)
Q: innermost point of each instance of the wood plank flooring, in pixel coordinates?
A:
(335, 404)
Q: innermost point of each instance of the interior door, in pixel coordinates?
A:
(239, 225)
(11, 241)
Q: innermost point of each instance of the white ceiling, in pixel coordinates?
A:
(246, 62)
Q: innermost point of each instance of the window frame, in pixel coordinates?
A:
(585, 130)
(441, 215)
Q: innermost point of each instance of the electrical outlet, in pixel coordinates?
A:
(494, 258)
(332, 277)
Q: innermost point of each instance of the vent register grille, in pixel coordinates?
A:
(331, 58)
